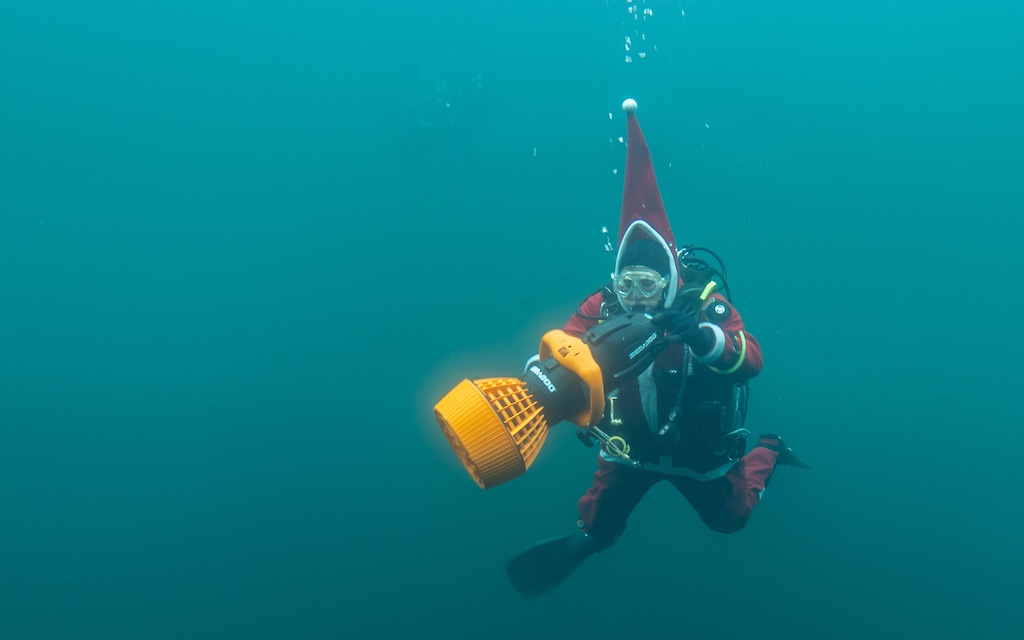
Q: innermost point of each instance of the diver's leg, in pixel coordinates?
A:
(606, 505)
(726, 503)
(603, 512)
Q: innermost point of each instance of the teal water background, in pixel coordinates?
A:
(243, 252)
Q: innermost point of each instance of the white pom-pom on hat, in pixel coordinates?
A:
(629, 105)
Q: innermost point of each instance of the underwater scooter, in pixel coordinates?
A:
(497, 426)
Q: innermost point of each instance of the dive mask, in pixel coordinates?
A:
(639, 282)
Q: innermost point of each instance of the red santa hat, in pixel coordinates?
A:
(641, 199)
(643, 215)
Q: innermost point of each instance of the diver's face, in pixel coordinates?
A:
(641, 304)
(639, 288)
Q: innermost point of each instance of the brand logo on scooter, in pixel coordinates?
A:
(635, 352)
(535, 370)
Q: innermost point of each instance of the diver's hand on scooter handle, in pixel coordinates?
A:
(682, 328)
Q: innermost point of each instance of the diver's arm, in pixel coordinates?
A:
(736, 351)
(577, 324)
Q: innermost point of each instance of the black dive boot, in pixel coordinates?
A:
(547, 563)
(786, 455)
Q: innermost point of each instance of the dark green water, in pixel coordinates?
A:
(245, 246)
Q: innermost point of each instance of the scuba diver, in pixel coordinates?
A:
(681, 419)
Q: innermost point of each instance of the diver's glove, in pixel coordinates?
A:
(682, 328)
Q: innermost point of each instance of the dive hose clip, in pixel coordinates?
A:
(615, 446)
